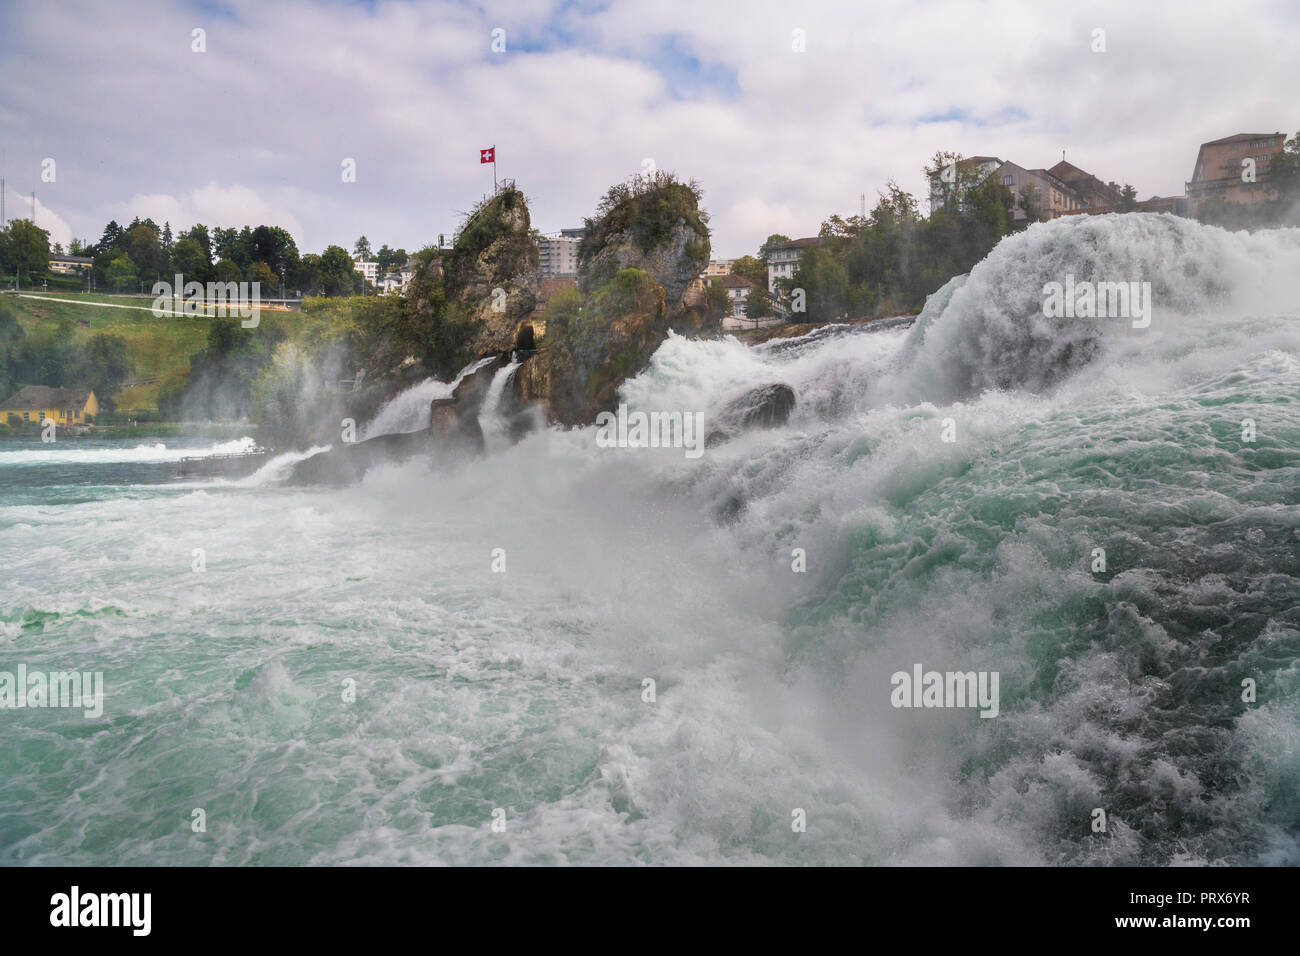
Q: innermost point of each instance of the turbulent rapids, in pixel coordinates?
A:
(498, 617)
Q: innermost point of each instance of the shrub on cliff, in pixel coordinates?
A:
(498, 226)
(646, 210)
(563, 313)
(429, 324)
(629, 291)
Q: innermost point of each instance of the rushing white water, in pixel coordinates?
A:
(521, 686)
(75, 451)
(494, 428)
(408, 411)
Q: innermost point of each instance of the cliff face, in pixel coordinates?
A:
(454, 311)
(495, 250)
(673, 264)
(587, 356)
(639, 265)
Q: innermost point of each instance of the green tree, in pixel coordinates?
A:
(275, 247)
(188, 259)
(235, 245)
(952, 180)
(837, 228)
(765, 250)
(1031, 203)
(563, 312)
(1127, 199)
(261, 273)
(112, 239)
(751, 269)
(758, 305)
(309, 278)
(27, 249)
(146, 252)
(1284, 171)
(825, 286)
(227, 271)
(105, 366)
(11, 339)
(717, 303)
(338, 274)
(121, 271)
(362, 250)
(44, 358)
(199, 233)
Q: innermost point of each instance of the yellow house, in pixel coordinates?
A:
(37, 403)
(70, 265)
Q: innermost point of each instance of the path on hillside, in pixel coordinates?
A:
(143, 308)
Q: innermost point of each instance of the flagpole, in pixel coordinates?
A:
(494, 170)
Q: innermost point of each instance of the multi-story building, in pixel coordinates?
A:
(783, 260)
(1223, 173)
(717, 268)
(70, 265)
(559, 254)
(1088, 189)
(369, 270)
(1054, 197)
(973, 169)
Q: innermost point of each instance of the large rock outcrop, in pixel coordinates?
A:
(587, 357)
(639, 266)
(493, 271)
(767, 406)
(640, 262)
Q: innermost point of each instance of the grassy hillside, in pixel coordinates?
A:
(156, 347)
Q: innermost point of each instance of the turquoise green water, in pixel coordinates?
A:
(522, 691)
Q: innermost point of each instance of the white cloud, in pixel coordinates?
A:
(46, 218)
(211, 204)
(255, 128)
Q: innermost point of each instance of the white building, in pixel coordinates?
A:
(737, 291)
(370, 270)
(718, 268)
(783, 260)
(559, 254)
(397, 280)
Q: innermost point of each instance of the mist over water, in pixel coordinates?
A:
(409, 410)
(522, 690)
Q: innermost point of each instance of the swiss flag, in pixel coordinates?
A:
(488, 155)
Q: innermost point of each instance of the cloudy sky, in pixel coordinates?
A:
(256, 128)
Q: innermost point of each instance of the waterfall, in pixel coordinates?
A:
(489, 419)
(408, 411)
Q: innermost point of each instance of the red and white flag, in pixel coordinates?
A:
(488, 155)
